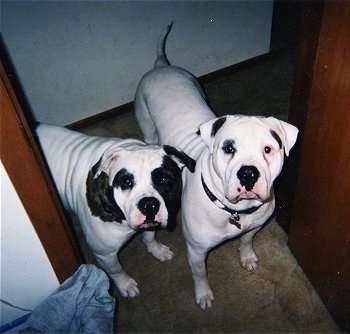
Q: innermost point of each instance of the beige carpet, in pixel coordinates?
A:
(276, 298)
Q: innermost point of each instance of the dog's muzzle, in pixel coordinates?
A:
(149, 207)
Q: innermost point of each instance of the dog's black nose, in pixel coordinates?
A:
(248, 175)
(149, 206)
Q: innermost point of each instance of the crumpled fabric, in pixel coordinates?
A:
(81, 304)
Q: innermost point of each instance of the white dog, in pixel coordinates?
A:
(238, 158)
(115, 188)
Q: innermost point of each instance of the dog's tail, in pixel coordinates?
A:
(161, 57)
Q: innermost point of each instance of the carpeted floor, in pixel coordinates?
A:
(277, 297)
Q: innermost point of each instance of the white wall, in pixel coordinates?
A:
(79, 58)
(27, 277)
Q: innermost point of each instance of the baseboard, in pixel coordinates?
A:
(128, 107)
(205, 79)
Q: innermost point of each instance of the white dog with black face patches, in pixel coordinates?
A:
(115, 188)
(238, 158)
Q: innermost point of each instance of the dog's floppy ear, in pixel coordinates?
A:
(286, 132)
(209, 129)
(181, 157)
(106, 161)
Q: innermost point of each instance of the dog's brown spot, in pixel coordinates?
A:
(99, 195)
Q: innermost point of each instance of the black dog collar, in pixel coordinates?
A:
(234, 219)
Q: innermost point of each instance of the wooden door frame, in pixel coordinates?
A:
(319, 230)
(309, 33)
(27, 170)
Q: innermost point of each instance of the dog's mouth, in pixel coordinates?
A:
(150, 223)
(248, 196)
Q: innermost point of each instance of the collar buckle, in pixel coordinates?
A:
(235, 216)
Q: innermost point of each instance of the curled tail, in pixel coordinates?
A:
(161, 57)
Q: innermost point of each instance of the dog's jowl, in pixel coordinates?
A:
(115, 188)
(238, 158)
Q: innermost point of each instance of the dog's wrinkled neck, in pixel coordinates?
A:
(211, 177)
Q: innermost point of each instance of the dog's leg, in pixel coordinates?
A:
(126, 285)
(203, 293)
(248, 258)
(158, 250)
(149, 131)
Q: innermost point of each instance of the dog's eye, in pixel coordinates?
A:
(126, 183)
(228, 147)
(124, 180)
(267, 149)
(166, 179)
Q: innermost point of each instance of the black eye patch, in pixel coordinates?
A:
(167, 181)
(163, 178)
(123, 180)
(229, 146)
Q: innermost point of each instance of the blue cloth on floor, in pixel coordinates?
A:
(81, 304)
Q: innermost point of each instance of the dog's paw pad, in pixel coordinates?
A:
(250, 263)
(205, 302)
(204, 295)
(132, 291)
(127, 286)
(160, 251)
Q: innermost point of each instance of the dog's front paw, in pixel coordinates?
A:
(160, 251)
(126, 285)
(249, 261)
(204, 294)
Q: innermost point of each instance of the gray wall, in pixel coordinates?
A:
(76, 59)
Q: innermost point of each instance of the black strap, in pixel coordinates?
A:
(222, 206)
